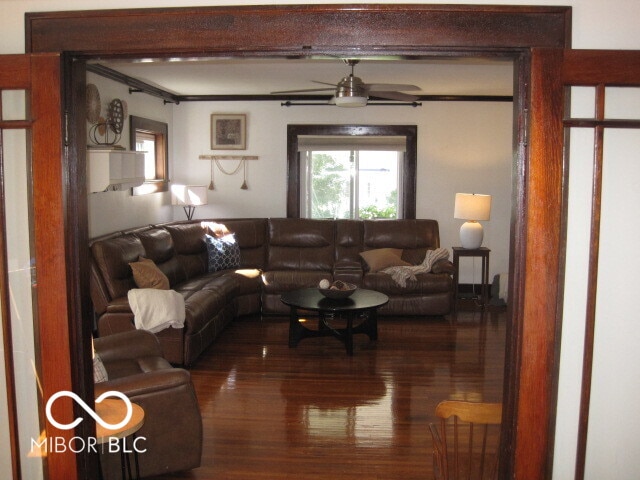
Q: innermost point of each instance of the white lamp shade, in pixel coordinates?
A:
(471, 206)
(188, 195)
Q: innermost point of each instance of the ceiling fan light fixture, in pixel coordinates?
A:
(350, 101)
(351, 92)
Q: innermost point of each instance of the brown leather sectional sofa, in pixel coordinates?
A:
(285, 253)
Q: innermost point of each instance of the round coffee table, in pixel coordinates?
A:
(362, 303)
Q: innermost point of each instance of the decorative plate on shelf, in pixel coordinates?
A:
(116, 115)
(93, 103)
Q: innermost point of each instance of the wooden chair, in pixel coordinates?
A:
(465, 442)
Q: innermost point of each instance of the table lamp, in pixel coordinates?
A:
(189, 197)
(472, 207)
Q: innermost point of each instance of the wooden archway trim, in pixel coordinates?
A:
(301, 28)
(390, 29)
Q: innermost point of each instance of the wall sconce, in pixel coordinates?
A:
(472, 207)
(189, 197)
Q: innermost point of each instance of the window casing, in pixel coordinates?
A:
(301, 139)
(151, 137)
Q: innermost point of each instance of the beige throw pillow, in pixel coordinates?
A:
(381, 258)
(146, 274)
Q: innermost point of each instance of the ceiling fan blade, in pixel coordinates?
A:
(324, 83)
(387, 87)
(403, 97)
(305, 90)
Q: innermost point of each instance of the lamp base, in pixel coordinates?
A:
(471, 234)
(189, 210)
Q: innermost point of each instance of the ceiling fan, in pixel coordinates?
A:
(351, 91)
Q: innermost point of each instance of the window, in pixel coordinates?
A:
(347, 171)
(351, 177)
(151, 137)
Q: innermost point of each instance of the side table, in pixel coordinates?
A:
(113, 411)
(483, 253)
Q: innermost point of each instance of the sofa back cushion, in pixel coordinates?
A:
(112, 257)
(414, 237)
(158, 246)
(190, 248)
(301, 244)
(251, 236)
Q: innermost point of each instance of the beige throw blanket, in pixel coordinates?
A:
(402, 274)
(155, 310)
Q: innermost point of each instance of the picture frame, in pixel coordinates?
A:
(228, 131)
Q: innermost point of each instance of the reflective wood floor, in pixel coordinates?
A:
(312, 412)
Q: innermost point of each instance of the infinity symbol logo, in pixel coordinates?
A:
(89, 410)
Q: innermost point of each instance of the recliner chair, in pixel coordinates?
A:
(172, 425)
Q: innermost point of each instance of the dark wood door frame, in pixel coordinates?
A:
(363, 30)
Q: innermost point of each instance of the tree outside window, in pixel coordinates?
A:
(352, 184)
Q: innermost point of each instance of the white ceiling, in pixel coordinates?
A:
(251, 76)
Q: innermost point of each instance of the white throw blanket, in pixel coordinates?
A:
(155, 310)
(402, 274)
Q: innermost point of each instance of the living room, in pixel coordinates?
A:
(470, 141)
(467, 141)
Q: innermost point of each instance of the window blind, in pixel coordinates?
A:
(319, 143)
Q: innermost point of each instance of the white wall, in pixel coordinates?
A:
(596, 24)
(113, 211)
(462, 147)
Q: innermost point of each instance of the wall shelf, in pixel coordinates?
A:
(228, 157)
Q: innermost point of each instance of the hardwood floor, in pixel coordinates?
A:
(312, 412)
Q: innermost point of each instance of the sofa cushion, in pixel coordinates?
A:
(404, 234)
(381, 258)
(280, 281)
(205, 297)
(158, 244)
(112, 257)
(188, 238)
(301, 244)
(223, 253)
(159, 247)
(251, 235)
(425, 284)
(146, 274)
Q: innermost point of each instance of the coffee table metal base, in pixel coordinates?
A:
(363, 306)
(368, 326)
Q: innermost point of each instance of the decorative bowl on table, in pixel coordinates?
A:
(337, 289)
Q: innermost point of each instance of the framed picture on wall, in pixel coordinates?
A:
(228, 131)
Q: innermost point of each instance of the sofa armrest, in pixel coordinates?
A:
(348, 271)
(443, 266)
(128, 345)
(112, 323)
(118, 305)
(146, 383)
